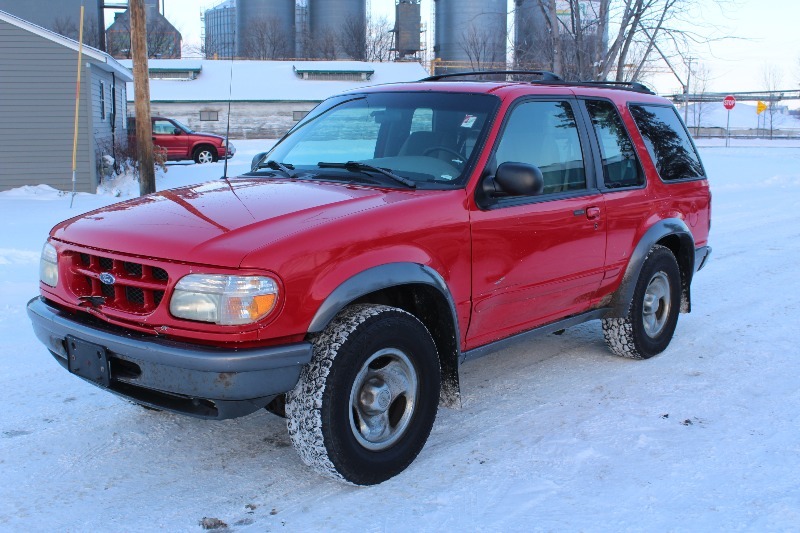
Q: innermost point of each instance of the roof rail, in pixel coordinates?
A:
(629, 85)
(546, 75)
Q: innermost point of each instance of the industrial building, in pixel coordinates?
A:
(60, 16)
(533, 46)
(470, 35)
(313, 29)
(267, 97)
(163, 39)
(219, 22)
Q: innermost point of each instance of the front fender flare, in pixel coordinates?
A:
(377, 278)
(394, 275)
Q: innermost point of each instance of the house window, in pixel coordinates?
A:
(209, 115)
(102, 100)
(299, 115)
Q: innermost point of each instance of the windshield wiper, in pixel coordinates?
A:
(355, 166)
(274, 165)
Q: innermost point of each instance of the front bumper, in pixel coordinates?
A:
(200, 381)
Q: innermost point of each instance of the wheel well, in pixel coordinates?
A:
(431, 307)
(682, 248)
(204, 145)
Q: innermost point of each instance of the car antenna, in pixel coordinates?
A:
(228, 126)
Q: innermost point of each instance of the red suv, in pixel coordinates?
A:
(393, 234)
(182, 143)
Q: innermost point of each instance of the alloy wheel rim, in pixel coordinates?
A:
(205, 157)
(657, 305)
(383, 399)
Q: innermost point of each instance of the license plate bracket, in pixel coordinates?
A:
(88, 360)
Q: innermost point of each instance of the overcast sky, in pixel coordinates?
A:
(766, 34)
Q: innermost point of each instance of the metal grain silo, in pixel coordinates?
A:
(253, 17)
(471, 33)
(338, 20)
(530, 35)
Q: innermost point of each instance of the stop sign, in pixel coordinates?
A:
(729, 102)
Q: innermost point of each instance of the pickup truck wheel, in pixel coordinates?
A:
(653, 313)
(204, 154)
(366, 403)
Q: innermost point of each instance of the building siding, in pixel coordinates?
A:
(37, 104)
(249, 120)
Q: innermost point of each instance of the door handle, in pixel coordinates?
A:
(592, 213)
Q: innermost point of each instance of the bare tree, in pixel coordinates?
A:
(772, 78)
(320, 45)
(701, 77)
(163, 41)
(380, 39)
(482, 47)
(266, 38)
(616, 39)
(352, 38)
(69, 27)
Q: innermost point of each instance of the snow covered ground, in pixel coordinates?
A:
(555, 434)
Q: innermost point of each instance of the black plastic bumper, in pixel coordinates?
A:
(701, 256)
(196, 380)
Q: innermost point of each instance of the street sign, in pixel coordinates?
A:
(761, 107)
(729, 102)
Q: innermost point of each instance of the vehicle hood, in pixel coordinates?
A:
(218, 223)
(211, 135)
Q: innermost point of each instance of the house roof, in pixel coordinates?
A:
(269, 81)
(101, 59)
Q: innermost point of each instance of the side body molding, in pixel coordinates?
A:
(659, 231)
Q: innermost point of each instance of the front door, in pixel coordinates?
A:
(170, 137)
(538, 258)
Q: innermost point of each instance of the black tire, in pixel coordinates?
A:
(205, 154)
(342, 390)
(653, 313)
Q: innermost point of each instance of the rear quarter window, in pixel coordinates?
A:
(667, 142)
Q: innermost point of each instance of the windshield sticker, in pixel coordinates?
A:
(447, 177)
(469, 120)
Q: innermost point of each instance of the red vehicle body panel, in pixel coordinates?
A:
(507, 270)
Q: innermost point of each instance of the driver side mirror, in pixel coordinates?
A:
(256, 160)
(176, 131)
(514, 179)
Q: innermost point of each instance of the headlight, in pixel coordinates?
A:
(48, 265)
(224, 300)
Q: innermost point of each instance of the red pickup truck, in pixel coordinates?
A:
(393, 234)
(181, 143)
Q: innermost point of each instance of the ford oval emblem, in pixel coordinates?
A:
(107, 278)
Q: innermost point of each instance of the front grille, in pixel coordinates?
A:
(138, 288)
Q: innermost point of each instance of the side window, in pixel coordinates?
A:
(621, 168)
(545, 134)
(163, 127)
(668, 142)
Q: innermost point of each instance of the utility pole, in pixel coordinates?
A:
(141, 98)
(686, 94)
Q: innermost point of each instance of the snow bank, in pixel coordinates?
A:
(554, 434)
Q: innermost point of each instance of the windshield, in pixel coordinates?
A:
(183, 126)
(429, 138)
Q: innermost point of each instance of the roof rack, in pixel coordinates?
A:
(546, 75)
(627, 85)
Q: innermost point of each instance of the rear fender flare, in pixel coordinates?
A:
(663, 228)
